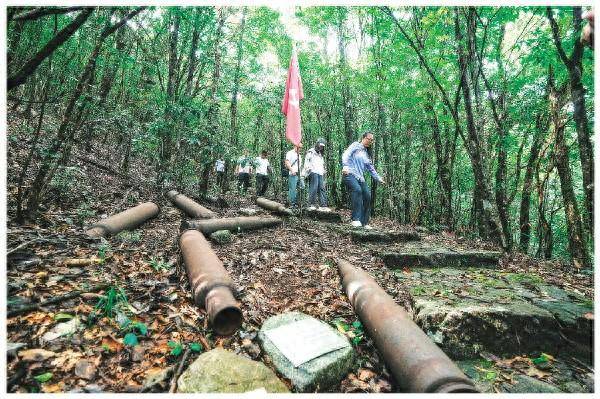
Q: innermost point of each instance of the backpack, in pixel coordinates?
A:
(284, 171)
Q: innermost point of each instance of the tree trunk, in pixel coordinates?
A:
(524, 223)
(575, 69)
(577, 245)
(30, 66)
(236, 81)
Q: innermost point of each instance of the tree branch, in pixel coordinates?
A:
(556, 37)
(39, 12)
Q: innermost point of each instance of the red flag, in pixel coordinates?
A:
(291, 102)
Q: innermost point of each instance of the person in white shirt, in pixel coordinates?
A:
(243, 170)
(263, 168)
(220, 171)
(293, 159)
(314, 168)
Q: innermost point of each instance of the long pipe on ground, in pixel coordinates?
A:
(212, 288)
(242, 223)
(273, 206)
(416, 363)
(189, 206)
(126, 220)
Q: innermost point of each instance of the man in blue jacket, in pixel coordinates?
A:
(354, 161)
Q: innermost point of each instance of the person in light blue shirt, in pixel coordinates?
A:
(354, 162)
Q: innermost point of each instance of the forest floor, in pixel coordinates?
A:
(288, 268)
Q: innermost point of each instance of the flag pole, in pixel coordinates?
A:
(299, 182)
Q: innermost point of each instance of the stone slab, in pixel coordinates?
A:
(221, 371)
(321, 373)
(377, 236)
(439, 257)
(327, 216)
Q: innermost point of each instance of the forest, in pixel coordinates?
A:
(484, 122)
(483, 119)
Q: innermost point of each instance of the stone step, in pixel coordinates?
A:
(318, 214)
(439, 257)
(467, 312)
(377, 236)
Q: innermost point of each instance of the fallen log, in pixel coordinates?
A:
(416, 363)
(242, 223)
(189, 206)
(273, 206)
(126, 220)
(211, 285)
(61, 298)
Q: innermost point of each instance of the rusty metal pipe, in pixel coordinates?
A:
(189, 206)
(212, 288)
(416, 363)
(126, 220)
(273, 206)
(243, 223)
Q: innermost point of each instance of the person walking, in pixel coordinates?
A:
(220, 171)
(263, 168)
(314, 168)
(354, 162)
(243, 170)
(293, 159)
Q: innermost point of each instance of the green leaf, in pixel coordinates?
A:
(357, 324)
(63, 316)
(490, 375)
(177, 348)
(43, 377)
(141, 327)
(196, 347)
(130, 339)
(539, 360)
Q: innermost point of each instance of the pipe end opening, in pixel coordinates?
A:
(227, 320)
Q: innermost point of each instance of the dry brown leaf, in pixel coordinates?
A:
(36, 355)
(537, 373)
(82, 261)
(111, 344)
(53, 388)
(66, 360)
(365, 374)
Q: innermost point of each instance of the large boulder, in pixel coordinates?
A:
(323, 372)
(221, 371)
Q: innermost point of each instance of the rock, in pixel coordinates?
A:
(320, 373)
(36, 355)
(156, 376)
(361, 235)
(220, 371)
(137, 353)
(439, 257)
(85, 369)
(13, 347)
(222, 237)
(572, 387)
(327, 216)
(92, 388)
(525, 384)
(62, 329)
(465, 327)
(248, 211)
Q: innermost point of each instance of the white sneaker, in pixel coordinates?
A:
(311, 208)
(356, 223)
(367, 227)
(325, 209)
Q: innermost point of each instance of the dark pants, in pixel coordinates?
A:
(360, 196)
(262, 183)
(243, 182)
(221, 180)
(316, 189)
